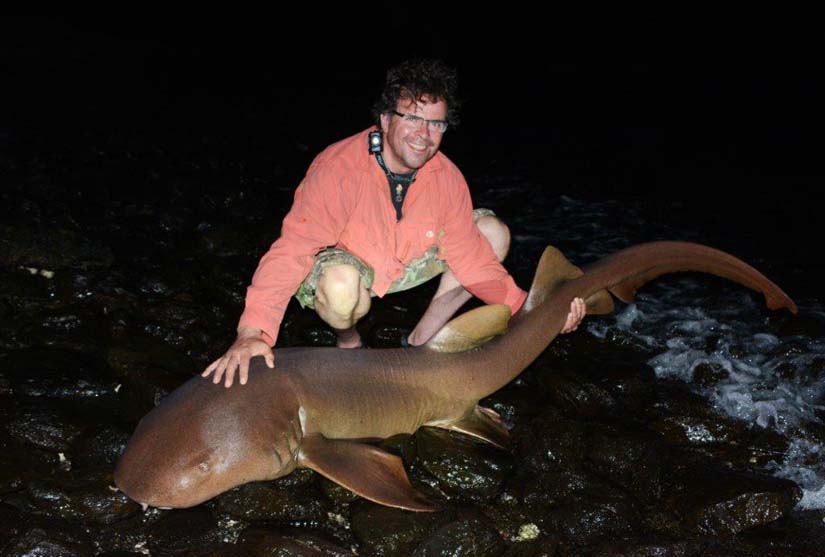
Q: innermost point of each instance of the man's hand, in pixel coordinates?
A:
(248, 344)
(577, 313)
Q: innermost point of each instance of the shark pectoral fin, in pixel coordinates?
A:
(553, 270)
(472, 329)
(482, 423)
(363, 469)
(600, 303)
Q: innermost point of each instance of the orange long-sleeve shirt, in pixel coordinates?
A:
(344, 201)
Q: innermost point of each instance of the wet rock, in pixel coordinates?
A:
(99, 448)
(461, 466)
(50, 249)
(193, 530)
(633, 459)
(128, 535)
(11, 524)
(87, 497)
(542, 547)
(55, 373)
(387, 531)
(576, 396)
(178, 322)
(633, 386)
(148, 370)
(19, 283)
(720, 503)
(468, 535)
(54, 540)
(649, 547)
(388, 336)
(509, 517)
(550, 442)
(298, 543)
(592, 519)
(685, 418)
(796, 533)
(267, 502)
(20, 463)
(709, 374)
(46, 427)
(551, 488)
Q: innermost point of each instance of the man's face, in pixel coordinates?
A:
(408, 146)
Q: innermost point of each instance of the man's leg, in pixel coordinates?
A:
(341, 299)
(450, 295)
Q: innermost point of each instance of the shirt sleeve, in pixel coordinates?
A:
(471, 258)
(315, 221)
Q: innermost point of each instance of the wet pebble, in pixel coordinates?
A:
(388, 531)
(21, 463)
(297, 543)
(593, 519)
(55, 373)
(467, 535)
(46, 427)
(101, 446)
(82, 497)
(186, 530)
(709, 374)
(268, 502)
(49, 539)
(649, 547)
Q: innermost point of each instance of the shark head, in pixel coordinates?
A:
(192, 447)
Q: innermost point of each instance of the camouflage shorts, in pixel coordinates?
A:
(416, 272)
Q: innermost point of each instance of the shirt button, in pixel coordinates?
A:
(429, 234)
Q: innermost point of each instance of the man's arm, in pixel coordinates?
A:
(314, 222)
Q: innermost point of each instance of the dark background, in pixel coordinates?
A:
(707, 124)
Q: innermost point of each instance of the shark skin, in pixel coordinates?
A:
(318, 408)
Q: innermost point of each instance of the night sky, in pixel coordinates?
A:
(715, 120)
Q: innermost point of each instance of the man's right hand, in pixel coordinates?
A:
(248, 345)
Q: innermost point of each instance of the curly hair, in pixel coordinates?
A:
(416, 79)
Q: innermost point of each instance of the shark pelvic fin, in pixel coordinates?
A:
(553, 270)
(482, 423)
(600, 303)
(472, 329)
(363, 469)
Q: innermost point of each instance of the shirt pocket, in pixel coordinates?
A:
(426, 236)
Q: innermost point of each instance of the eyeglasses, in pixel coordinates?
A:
(414, 121)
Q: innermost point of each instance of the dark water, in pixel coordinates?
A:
(144, 175)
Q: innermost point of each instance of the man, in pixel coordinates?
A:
(397, 214)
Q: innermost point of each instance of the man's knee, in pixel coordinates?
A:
(497, 233)
(338, 294)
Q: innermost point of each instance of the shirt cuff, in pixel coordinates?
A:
(260, 319)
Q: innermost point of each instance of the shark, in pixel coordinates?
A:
(324, 408)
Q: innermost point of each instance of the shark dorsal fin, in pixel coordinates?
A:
(472, 329)
(553, 270)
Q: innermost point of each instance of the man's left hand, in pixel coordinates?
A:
(577, 312)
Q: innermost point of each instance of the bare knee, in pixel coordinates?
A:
(497, 233)
(340, 296)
